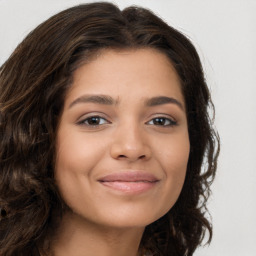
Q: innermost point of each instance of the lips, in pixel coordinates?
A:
(129, 181)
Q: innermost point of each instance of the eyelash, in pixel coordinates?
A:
(85, 121)
(170, 122)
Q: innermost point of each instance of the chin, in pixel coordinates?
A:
(125, 216)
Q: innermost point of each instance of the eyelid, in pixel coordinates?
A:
(84, 118)
(173, 121)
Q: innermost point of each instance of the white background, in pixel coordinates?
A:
(224, 32)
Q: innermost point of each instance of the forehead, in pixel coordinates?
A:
(136, 60)
(131, 72)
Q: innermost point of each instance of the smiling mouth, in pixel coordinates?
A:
(131, 182)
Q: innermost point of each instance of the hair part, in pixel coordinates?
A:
(33, 85)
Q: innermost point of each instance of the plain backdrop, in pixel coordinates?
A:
(224, 33)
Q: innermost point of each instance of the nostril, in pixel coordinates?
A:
(124, 151)
(124, 156)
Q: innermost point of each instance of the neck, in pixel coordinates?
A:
(78, 237)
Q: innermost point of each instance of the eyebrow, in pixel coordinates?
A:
(99, 99)
(108, 100)
(161, 100)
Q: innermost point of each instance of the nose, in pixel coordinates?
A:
(131, 144)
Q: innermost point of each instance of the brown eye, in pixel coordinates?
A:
(94, 121)
(162, 121)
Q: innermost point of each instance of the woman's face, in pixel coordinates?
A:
(122, 143)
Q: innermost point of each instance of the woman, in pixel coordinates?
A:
(106, 143)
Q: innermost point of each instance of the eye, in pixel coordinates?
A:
(162, 121)
(93, 121)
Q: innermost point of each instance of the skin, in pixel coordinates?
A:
(128, 133)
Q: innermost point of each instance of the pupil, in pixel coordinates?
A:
(93, 120)
(159, 121)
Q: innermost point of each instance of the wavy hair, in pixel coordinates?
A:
(33, 84)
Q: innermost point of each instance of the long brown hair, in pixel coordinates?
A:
(33, 83)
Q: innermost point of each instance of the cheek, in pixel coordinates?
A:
(177, 159)
(174, 159)
(77, 152)
(76, 157)
(174, 154)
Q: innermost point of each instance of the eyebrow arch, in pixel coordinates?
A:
(163, 100)
(99, 99)
(108, 100)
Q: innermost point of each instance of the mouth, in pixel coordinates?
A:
(131, 182)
